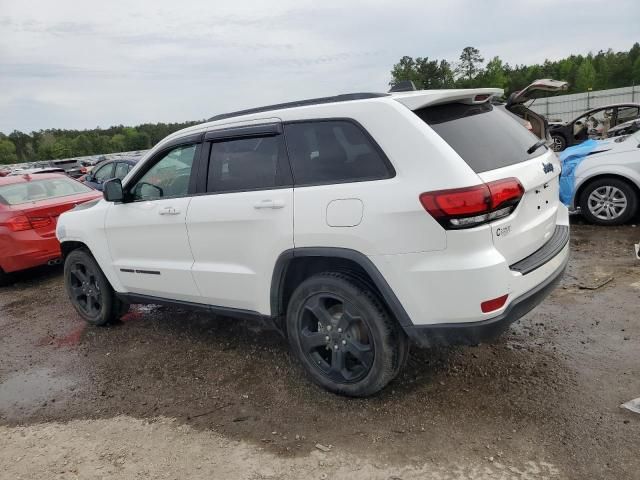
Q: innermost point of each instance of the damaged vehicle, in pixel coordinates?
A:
(595, 124)
(534, 122)
(607, 181)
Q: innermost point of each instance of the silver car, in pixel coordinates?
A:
(607, 181)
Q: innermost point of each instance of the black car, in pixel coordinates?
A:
(107, 170)
(595, 123)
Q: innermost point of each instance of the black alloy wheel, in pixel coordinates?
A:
(343, 335)
(89, 290)
(335, 338)
(84, 288)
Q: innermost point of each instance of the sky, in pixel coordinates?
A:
(86, 64)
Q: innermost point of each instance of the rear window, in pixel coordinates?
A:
(484, 136)
(36, 190)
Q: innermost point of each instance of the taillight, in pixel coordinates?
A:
(39, 222)
(18, 224)
(473, 206)
(22, 222)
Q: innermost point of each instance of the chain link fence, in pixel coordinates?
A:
(567, 107)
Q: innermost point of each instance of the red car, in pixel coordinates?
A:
(29, 208)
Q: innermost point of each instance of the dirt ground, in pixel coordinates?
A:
(168, 393)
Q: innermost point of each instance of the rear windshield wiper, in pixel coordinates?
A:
(536, 146)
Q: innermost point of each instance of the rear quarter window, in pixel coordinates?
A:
(335, 151)
(484, 136)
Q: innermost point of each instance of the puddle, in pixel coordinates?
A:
(31, 388)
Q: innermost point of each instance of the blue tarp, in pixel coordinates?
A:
(571, 158)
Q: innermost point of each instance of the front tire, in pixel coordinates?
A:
(608, 201)
(89, 290)
(343, 335)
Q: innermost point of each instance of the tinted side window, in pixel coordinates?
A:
(122, 169)
(627, 113)
(104, 173)
(169, 177)
(332, 151)
(245, 164)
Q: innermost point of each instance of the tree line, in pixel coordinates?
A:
(56, 143)
(604, 70)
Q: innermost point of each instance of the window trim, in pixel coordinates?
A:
(194, 139)
(391, 171)
(246, 131)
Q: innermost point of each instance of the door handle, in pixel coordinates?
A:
(273, 204)
(168, 211)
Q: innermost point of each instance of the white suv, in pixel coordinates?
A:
(353, 224)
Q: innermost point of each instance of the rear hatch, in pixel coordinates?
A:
(497, 148)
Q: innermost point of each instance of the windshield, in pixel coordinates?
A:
(37, 190)
(484, 136)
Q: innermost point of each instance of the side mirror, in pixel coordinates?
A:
(112, 190)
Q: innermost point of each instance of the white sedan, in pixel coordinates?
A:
(607, 181)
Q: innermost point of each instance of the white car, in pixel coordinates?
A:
(353, 224)
(607, 181)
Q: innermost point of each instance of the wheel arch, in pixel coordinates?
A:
(295, 265)
(68, 246)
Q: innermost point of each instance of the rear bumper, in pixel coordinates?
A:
(22, 250)
(473, 333)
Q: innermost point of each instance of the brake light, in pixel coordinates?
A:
(22, 222)
(18, 224)
(494, 304)
(473, 206)
(39, 222)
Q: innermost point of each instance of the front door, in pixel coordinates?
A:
(147, 234)
(243, 220)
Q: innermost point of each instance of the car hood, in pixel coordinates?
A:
(616, 145)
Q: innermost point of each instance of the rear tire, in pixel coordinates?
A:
(608, 201)
(343, 335)
(89, 290)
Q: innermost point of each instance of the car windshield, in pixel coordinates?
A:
(37, 190)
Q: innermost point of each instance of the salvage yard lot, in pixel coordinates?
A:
(168, 393)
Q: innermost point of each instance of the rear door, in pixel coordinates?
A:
(496, 148)
(242, 218)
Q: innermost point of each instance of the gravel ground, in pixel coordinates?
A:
(168, 393)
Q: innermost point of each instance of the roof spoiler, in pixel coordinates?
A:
(424, 98)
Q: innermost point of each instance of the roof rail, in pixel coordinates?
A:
(346, 97)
